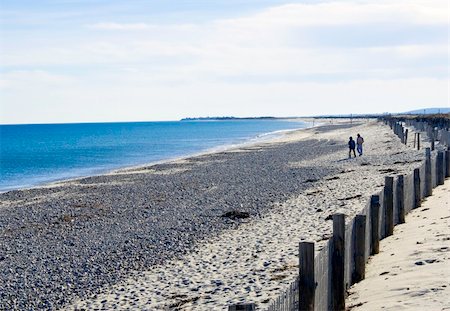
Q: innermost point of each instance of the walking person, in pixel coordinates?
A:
(351, 147)
(359, 143)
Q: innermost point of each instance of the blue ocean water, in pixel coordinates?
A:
(40, 153)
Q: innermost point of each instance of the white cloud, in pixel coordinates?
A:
(298, 58)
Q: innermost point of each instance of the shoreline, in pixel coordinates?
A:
(257, 259)
(93, 235)
(272, 136)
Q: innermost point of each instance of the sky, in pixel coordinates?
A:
(107, 60)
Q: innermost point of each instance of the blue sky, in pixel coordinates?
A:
(85, 61)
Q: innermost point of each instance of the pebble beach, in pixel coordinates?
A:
(193, 234)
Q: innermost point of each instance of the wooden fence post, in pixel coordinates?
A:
(418, 141)
(414, 143)
(242, 307)
(402, 133)
(388, 205)
(440, 168)
(432, 138)
(307, 282)
(428, 182)
(417, 194)
(338, 263)
(374, 224)
(406, 136)
(447, 162)
(359, 249)
(400, 194)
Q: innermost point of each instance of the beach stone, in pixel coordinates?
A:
(236, 214)
(126, 223)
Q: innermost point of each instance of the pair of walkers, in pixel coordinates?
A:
(358, 144)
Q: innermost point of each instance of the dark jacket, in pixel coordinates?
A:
(351, 144)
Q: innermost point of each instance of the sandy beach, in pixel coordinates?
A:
(155, 238)
(412, 270)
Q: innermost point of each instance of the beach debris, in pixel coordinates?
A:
(278, 277)
(350, 198)
(236, 214)
(401, 162)
(356, 305)
(387, 170)
(332, 178)
(310, 180)
(314, 192)
(346, 171)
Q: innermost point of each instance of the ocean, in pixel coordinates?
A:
(36, 154)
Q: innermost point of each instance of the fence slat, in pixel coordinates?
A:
(337, 263)
(428, 182)
(418, 141)
(359, 248)
(432, 138)
(440, 168)
(400, 196)
(447, 162)
(388, 204)
(374, 224)
(307, 282)
(417, 199)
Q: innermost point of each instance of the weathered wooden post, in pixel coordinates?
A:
(402, 133)
(388, 205)
(338, 263)
(374, 224)
(432, 138)
(242, 307)
(428, 182)
(417, 195)
(414, 143)
(307, 282)
(440, 168)
(418, 141)
(406, 136)
(359, 248)
(400, 196)
(447, 162)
